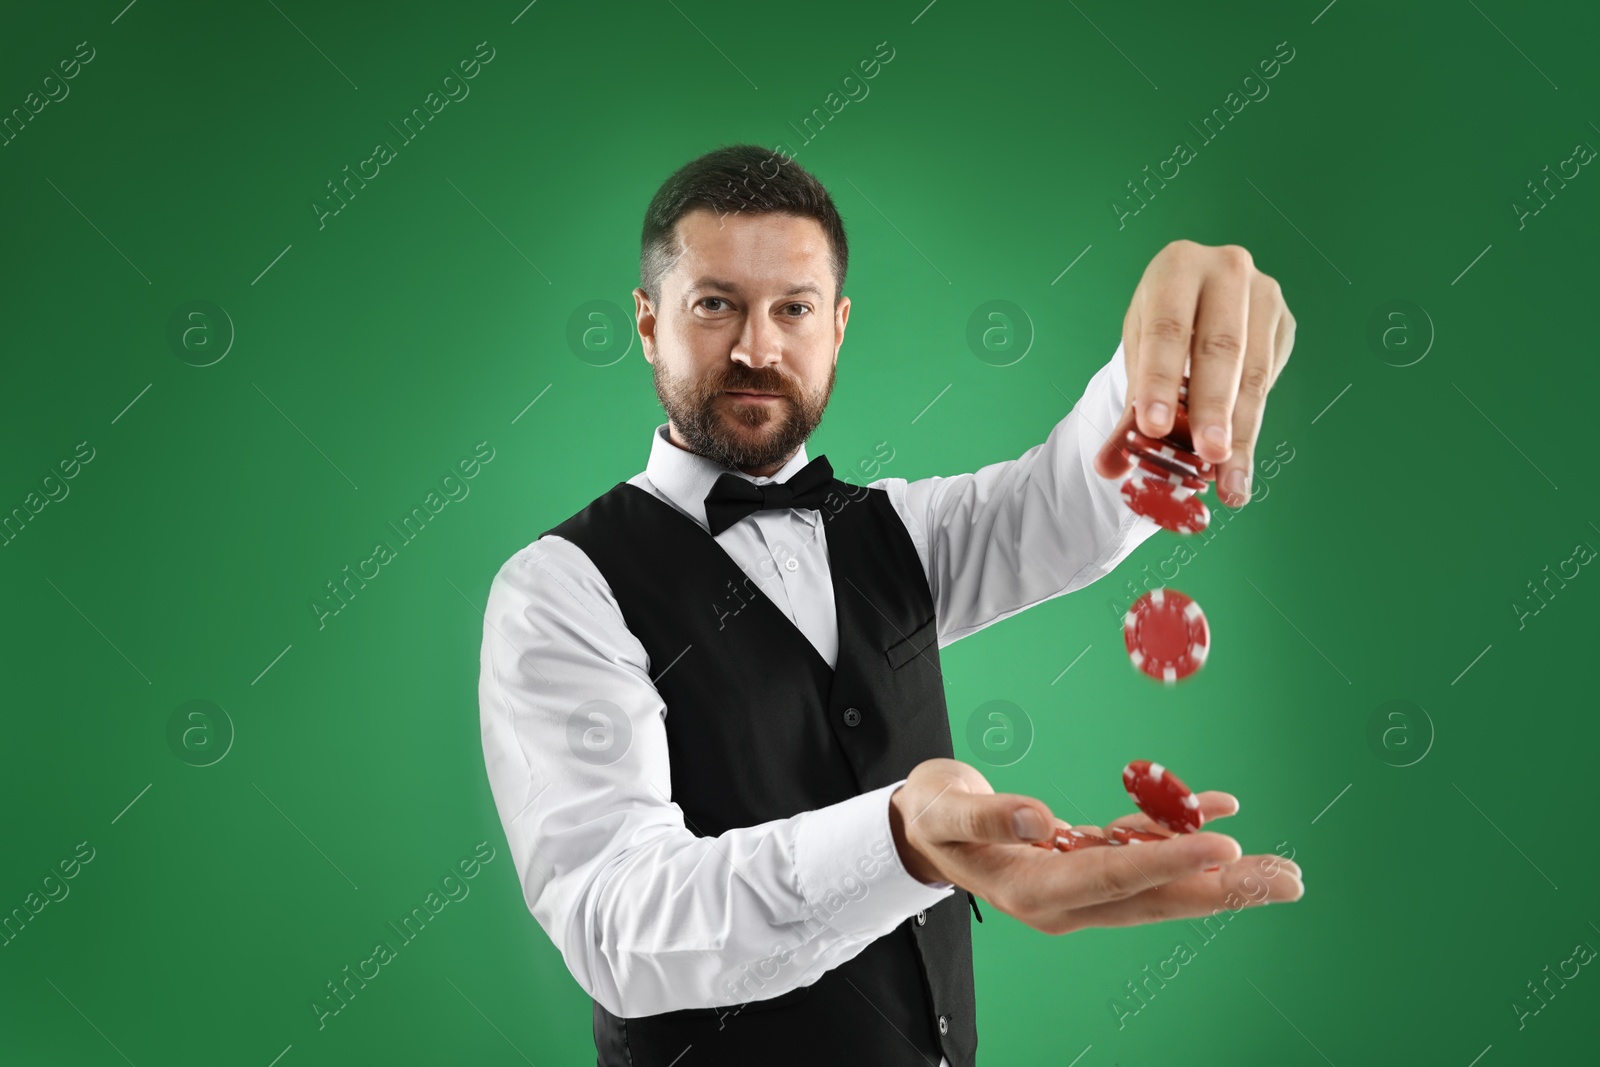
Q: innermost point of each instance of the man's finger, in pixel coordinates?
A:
(1255, 379)
(1251, 881)
(1161, 342)
(990, 818)
(1222, 330)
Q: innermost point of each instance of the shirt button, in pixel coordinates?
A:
(851, 717)
(922, 918)
(791, 564)
(944, 1024)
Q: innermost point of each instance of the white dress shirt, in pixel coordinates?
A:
(648, 916)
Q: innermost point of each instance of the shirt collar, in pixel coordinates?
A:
(685, 477)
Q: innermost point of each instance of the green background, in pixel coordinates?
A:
(372, 354)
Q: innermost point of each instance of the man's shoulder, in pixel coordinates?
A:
(556, 554)
(548, 552)
(551, 571)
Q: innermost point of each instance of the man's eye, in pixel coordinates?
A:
(802, 307)
(718, 299)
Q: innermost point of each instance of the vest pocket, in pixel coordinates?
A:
(904, 651)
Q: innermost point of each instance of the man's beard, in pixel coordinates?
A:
(741, 436)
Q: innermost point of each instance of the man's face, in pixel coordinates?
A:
(748, 306)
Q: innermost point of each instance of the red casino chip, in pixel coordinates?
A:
(1177, 460)
(1154, 469)
(1172, 466)
(1166, 635)
(1067, 839)
(1127, 835)
(1053, 840)
(1160, 503)
(1084, 839)
(1161, 795)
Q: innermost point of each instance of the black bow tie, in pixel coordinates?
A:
(732, 497)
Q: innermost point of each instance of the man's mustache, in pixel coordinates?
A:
(778, 387)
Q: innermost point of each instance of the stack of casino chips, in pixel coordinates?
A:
(1168, 476)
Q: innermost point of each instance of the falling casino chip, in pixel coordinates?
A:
(1166, 635)
(1161, 795)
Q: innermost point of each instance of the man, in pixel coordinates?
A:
(712, 712)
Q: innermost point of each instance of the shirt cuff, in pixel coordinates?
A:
(850, 871)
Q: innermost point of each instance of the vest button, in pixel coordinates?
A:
(944, 1024)
(851, 717)
(922, 918)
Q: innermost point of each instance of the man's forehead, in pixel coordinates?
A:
(737, 251)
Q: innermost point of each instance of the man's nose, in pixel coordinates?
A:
(759, 344)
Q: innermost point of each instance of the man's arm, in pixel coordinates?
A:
(648, 916)
(1016, 533)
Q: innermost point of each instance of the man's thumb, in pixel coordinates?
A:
(1007, 819)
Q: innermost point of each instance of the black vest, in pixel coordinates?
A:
(760, 728)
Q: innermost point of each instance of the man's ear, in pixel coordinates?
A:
(841, 315)
(645, 322)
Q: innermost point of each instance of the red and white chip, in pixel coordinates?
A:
(1055, 840)
(1161, 795)
(1177, 459)
(1166, 635)
(1151, 469)
(1159, 502)
(1127, 835)
(1067, 839)
(1084, 839)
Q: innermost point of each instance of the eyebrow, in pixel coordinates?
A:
(728, 287)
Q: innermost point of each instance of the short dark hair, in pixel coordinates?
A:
(731, 179)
